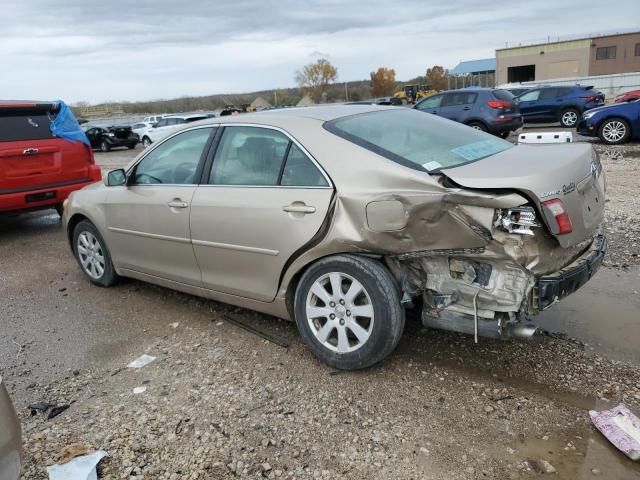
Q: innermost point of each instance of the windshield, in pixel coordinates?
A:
(416, 139)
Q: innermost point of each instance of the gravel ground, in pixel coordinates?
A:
(220, 402)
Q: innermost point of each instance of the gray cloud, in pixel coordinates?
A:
(122, 50)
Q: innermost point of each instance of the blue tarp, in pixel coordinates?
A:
(66, 126)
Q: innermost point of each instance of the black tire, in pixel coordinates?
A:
(504, 135)
(146, 142)
(109, 275)
(478, 126)
(569, 117)
(384, 296)
(59, 209)
(104, 146)
(131, 147)
(605, 133)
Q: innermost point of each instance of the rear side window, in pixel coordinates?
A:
(459, 98)
(549, 93)
(505, 95)
(530, 96)
(22, 126)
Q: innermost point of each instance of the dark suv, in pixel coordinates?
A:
(106, 138)
(564, 104)
(488, 109)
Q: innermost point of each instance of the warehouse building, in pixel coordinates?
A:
(583, 57)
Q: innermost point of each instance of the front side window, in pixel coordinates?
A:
(530, 96)
(174, 161)
(422, 142)
(606, 53)
(430, 102)
(549, 93)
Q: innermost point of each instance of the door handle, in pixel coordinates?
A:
(298, 207)
(435, 112)
(177, 203)
(467, 108)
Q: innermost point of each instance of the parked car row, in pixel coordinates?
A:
(107, 138)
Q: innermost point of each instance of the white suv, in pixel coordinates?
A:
(167, 125)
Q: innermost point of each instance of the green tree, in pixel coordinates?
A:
(315, 77)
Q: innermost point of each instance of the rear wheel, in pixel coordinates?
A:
(131, 147)
(146, 141)
(348, 311)
(504, 134)
(614, 131)
(92, 254)
(569, 117)
(478, 126)
(104, 146)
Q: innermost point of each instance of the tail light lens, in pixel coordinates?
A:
(498, 104)
(590, 98)
(556, 208)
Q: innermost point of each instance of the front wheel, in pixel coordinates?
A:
(104, 146)
(614, 131)
(348, 311)
(569, 117)
(92, 254)
(146, 142)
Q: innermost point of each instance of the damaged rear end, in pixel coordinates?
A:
(539, 208)
(481, 232)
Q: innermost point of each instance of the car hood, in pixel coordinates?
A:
(610, 107)
(570, 172)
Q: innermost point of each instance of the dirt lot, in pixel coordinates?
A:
(220, 402)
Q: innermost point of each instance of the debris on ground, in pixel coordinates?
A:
(44, 407)
(541, 466)
(621, 427)
(139, 390)
(72, 451)
(80, 468)
(142, 361)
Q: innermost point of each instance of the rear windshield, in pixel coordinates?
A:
(503, 95)
(16, 126)
(416, 139)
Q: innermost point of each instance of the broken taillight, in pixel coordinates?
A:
(559, 213)
(517, 220)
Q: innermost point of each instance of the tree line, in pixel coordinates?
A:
(318, 80)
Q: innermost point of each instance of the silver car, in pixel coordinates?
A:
(339, 217)
(10, 438)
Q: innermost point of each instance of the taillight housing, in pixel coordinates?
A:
(590, 98)
(555, 208)
(498, 104)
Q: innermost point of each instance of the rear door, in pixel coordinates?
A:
(31, 158)
(457, 106)
(550, 104)
(148, 219)
(264, 199)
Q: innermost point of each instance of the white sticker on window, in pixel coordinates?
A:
(433, 165)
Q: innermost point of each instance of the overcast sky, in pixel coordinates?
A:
(82, 50)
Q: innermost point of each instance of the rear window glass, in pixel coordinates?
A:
(417, 140)
(503, 95)
(22, 126)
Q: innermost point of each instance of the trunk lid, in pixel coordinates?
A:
(569, 172)
(31, 156)
(121, 132)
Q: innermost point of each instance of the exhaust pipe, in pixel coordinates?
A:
(463, 323)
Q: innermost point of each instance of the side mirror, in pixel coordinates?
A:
(116, 178)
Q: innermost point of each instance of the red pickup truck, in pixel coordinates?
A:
(39, 169)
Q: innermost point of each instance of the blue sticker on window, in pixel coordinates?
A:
(477, 150)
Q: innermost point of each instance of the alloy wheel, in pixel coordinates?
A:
(614, 131)
(340, 312)
(91, 255)
(569, 118)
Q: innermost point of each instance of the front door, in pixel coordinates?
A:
(457, 106)
(531, 106)
(265, 198)
(148, 219)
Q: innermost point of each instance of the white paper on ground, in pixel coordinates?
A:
(139, 390)
(141, 361)
(80, 468)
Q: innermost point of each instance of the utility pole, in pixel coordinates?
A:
(346, 91)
